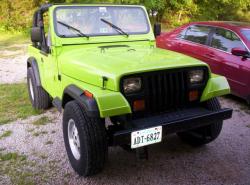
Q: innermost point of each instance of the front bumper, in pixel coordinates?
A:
(173, 122)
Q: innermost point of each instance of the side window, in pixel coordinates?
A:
(182, 34)
(225, 40)
(196, 33)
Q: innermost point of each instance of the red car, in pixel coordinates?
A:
(225, 46)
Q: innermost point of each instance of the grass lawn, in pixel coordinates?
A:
(9, 39)
(6, 134)
(15, 103)
(17, 168)
(41, 121)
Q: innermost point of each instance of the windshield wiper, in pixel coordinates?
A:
(119, 30)
(73, 28)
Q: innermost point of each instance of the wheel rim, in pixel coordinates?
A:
(74, 141)
(31, 89)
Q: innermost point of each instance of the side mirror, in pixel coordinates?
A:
(157, 29)
(240, 52)
(36, 34)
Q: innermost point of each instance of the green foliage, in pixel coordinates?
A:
(41, 121)
(17, 14)
(223, 9)
(179, 12)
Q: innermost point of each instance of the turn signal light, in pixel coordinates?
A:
(138, 105)
(88, 94)
(193, 95)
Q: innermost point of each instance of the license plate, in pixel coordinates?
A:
(146, 137)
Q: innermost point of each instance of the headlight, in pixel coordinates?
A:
(131, 85)
(196, 76)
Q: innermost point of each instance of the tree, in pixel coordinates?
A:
(155, 7)
(222, 9)
(6, 9)
(17, 14)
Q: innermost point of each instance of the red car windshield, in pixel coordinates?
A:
(246, 33)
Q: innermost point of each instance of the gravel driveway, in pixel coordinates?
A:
(12, 64)
(224, 161)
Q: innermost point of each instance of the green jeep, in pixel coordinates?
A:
(100, 64)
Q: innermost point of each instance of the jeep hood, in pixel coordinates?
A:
(92, 64)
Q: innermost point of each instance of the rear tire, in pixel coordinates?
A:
(87, 149)
(206, 134)
(248, 100)
(39, 98)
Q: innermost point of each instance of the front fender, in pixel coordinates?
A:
(216, 86)
(89, 104)
(110, 103)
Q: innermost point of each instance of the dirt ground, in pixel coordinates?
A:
(224, 161)
(12, 64)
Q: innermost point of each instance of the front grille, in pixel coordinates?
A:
(164, 91)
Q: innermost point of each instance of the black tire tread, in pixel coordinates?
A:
(206, 134)
(42, 99)
(95, 139)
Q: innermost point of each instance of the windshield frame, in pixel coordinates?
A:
(98, 35)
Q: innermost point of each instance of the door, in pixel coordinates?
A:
(50, 68)
(193, 41)
(50, 74)
(45, 57)
(232, 67)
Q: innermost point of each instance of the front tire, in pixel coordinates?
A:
(85, 140)
(39, 98)
(206, 134)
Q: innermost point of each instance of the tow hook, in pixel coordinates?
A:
(141, 153)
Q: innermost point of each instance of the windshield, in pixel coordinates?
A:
(98, 21)
(246, 33)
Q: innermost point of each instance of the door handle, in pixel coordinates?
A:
(42, 60)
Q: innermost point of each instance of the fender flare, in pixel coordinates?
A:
(31, 62)
(73, 92)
